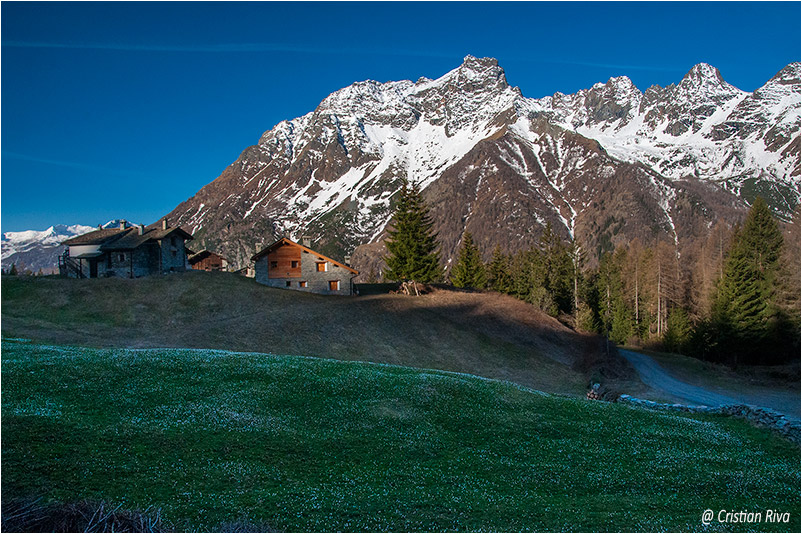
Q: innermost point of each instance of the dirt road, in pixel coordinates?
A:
(655, 376)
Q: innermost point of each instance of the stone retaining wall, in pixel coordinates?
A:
(761, 417)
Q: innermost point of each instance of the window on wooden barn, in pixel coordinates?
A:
(295, 264)
(334, 285)
(321, 266)
(274, 265)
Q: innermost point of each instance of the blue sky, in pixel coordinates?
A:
(124, 110)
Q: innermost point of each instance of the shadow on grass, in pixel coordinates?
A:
(481, 333)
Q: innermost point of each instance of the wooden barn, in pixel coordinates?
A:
(127, 251)
(290, 265)
(206, 260)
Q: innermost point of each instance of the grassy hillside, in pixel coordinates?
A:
(487, 334)
(306, 444)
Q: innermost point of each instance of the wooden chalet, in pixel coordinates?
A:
(290, 265)
(126, 251)
(206, 260)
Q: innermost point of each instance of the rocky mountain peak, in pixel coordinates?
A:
(470, 96)
(621, 83)
(477, 74)
(701, 72)
(789, 75)
(704, 79)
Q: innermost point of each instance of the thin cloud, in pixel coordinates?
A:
(225, 48)
(71, 164)
(305, 49)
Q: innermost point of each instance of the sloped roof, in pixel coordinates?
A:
(285, 241)
(128, 239)
(98, 237)
(195, 257)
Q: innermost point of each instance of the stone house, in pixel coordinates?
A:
(126, 251)
(293, 266)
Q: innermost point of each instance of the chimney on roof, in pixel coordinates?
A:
(306, 241)
(141, 229)
(348, 260)
(122, 224)
(164, 224)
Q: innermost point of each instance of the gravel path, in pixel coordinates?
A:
(655, 376)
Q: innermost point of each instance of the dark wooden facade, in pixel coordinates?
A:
(206, 260)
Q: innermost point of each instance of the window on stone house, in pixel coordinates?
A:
(302, 283)
(321, 266)
(334, 285)
(122, 256)
(289, 283)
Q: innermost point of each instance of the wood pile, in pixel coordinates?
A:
(596, 392)
(413, 288)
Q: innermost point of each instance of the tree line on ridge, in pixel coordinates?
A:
(733, 297)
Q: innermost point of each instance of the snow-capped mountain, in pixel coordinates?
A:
(604, 165)
(34, 250)
(701, 128)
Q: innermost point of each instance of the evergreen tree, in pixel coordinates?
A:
(744, 309)
(586, 320)
(622, 325)
(499, 275)
(469, 270)
(558, 271)
(13, 270)
(412, 243)
(678, 330)
(761, 236)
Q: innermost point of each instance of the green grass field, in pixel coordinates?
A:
(308, 444)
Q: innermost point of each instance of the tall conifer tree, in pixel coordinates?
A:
(499, 275)
(412, 243)
(469, 270)
(743, 307)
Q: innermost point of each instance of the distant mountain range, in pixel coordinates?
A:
(604, 165)
(34, 250)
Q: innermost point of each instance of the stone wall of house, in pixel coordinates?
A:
(146, 260)
(260, 271)
(143, 261)
(316, 282)
(761, 417)
(118, 265)
(174, 254)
